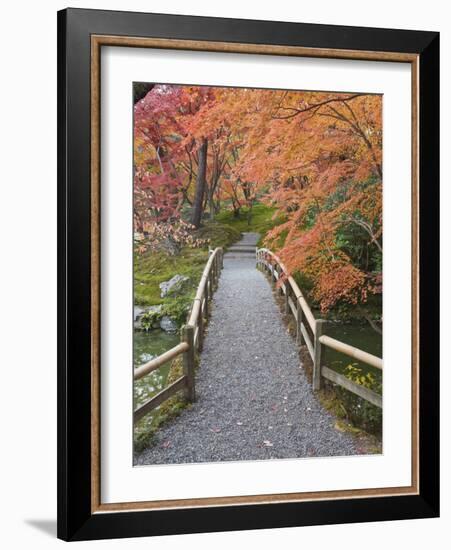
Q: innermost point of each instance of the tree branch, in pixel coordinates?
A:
(297, 112)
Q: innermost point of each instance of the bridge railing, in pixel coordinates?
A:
(310, 331)
(191, 341)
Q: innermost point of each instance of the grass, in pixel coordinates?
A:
(364, 421)
(220, 234)
(152, 268)
(262, 219)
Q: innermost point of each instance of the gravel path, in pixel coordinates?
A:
(253, 399)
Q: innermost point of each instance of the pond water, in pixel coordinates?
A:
(146, 346)
(360, 336)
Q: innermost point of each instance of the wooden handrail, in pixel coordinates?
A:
(159, 361)
(194, 315)
(320, 340)
(158, 399)
(294, 287)
(356, 353)
(212, 260)
(357, 389)
(191, 339)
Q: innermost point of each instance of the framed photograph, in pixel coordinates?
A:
(248, 274)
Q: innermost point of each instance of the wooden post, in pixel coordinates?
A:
(207, 293)
(300, 313)
(318, 355)
(212, 277)
(200, 325)
(188, 362)
(287, 296)
(215, 270)
(279, 276)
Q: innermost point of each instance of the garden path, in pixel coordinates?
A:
(253, 400)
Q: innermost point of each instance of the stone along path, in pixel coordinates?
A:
(253, 400)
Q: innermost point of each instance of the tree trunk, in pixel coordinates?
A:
(211, 195)
(200, 185)
(249, 214)
(212, 207)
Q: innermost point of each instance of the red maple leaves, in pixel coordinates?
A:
(315, 156)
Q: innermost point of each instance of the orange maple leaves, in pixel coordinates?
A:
(315, 156)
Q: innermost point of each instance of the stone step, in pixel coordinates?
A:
(239, 256)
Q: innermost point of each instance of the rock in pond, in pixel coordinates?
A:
(167, 324)
(137, 312)
(155, 313)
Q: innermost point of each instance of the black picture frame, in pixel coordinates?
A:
(75, 518)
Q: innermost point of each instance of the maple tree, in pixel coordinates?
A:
(315, 156)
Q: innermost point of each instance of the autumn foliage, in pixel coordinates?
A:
(315, 156)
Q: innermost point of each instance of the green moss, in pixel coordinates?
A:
(260, 221)
(152, 268)
(177, 308)
(219, 234)
(358, 413)
(149, 318)
(368, 436)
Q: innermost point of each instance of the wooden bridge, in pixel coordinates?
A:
(190, 341)
(310, 331)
